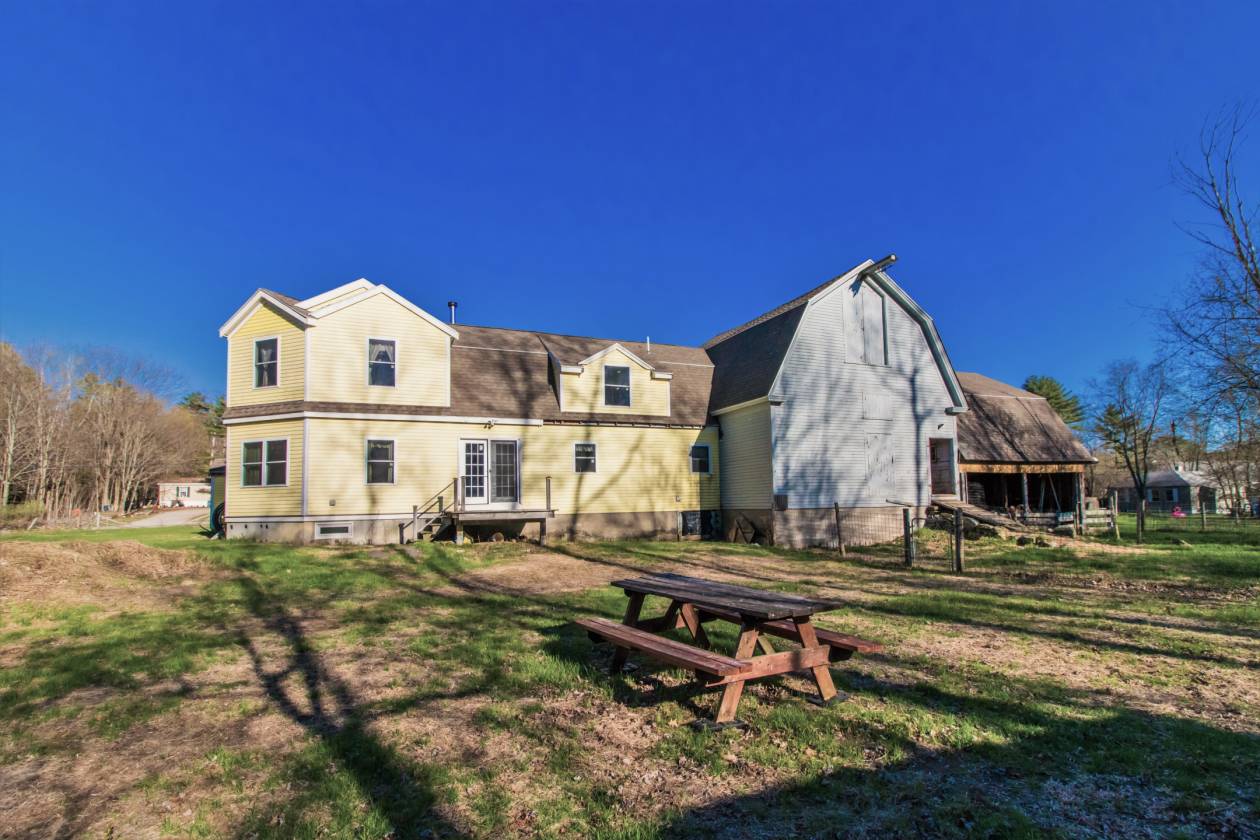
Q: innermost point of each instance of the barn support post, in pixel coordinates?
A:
(958, 541)
(907, 532)
(1023, 484)
(1078, 489)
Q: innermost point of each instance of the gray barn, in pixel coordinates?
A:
(842, 396)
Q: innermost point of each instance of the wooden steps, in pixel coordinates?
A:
(666, 650)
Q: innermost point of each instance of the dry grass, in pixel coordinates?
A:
(246, 690)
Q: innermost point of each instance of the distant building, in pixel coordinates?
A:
(184, 492)
(1170, 489)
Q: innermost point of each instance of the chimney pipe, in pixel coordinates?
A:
(452, 304)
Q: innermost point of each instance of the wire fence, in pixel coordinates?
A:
(1178, 521)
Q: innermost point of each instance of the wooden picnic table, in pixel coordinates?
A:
(693, 602)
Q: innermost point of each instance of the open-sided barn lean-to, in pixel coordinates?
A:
(1014, 451)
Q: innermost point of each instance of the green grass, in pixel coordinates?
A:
(488, 712)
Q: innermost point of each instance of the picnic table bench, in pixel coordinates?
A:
(693, 602)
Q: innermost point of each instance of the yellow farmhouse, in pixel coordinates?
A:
(356, 416)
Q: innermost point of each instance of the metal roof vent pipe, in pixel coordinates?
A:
(452, 304)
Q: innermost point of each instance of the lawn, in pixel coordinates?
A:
(154, 683)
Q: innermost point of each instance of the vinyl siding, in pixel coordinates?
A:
(746, 475)
(339, 356)
(637, 469)
(852, 432)
(584, 392)
(264, 501)
(263, 323)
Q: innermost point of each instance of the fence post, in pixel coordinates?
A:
(958, 541)
(839, 530)
(1202, 514)
(1114, 502)
(908, 534)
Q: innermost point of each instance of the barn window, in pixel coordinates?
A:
(866, 325)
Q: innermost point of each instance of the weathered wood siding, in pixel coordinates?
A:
(746, 473)
(849, 431)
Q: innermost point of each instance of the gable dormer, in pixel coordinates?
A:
(613, 380)
(371, 345)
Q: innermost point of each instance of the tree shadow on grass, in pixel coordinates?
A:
(348, 763)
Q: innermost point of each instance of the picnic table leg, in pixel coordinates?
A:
(733, 691)
(822, 674)
(633, 608)
(691, 617)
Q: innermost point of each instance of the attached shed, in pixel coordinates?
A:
(1015, 454)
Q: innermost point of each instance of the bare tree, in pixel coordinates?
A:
(1131, 403)
(1218, 323)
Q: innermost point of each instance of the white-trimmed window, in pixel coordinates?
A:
(700, 458)
(267, 362)
(331, 531)
(382, 362)
(616, 385)
(265, 463)
(380, 461)
(584, 457)
(183, 492)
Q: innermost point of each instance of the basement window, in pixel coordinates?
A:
(584, 457)
(265, 463)
(616, 385)
(331, 532)
(266, 362)
(382, 361)
(380, 462)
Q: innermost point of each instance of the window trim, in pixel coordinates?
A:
(254, 363)
(708, 459)
(605, 386)
(368, 352)
(594, 457)
(367, 471)
(288, 462)
(320, 526)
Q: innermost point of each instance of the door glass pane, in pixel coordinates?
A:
(474, 470)
(504, 470)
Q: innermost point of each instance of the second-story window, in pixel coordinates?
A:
(266, 362)
(616, 385)
(382, 360)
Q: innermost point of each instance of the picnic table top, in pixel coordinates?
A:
(751, 603)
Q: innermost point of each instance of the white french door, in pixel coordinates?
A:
(491, 471)
(473, 471)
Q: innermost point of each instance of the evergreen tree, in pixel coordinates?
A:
(1066, 404)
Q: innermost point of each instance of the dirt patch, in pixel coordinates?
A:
(115, 574)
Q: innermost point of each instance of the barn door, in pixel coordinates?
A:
(941, 456)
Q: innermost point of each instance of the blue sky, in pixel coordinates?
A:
(611, 169)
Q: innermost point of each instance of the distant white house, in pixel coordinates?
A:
(184, 492)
